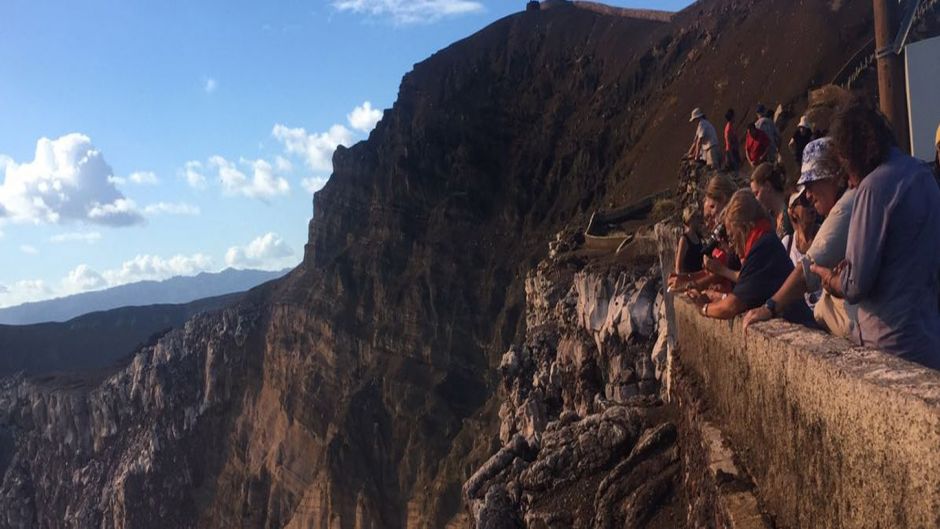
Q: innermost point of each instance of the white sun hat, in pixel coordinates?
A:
(812, 170)
(697, 113)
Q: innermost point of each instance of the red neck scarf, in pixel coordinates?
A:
(761, 228)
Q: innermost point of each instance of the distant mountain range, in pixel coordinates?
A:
(175, 290)
(94, 341)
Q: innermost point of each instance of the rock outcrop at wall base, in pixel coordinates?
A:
(586, 441)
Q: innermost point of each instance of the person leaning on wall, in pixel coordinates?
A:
(823, 183)
(717, 194)
(765, 264)
(892, 259)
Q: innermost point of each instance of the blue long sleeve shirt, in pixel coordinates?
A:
(893, 260)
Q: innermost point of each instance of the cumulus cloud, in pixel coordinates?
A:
(28, 249)
(193, 173)
(316, 149)
(410, 11)
(23, 291)
(68, 180)
(86, 237)
(364, 118)
(262, 184)
(171, 208)
(268, 251)
(82, 279)
(153, 267)
(147, 178)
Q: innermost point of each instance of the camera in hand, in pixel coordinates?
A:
(718, 236)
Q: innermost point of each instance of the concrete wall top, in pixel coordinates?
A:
(834, 436)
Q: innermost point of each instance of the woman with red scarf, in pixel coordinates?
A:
(765, 264)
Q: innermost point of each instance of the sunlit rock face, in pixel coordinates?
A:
(362, 390)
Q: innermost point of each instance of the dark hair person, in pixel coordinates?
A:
(765, 264)
(892, 258)
(822, 182)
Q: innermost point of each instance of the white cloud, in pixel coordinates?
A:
(23, 291)
(410, 11)
(283, 165)
(313, 183)
(171, 208)
(268, 251)
(67, 180)
(152, 267)
(210, 85)
(263, 183)
(317, 148)
(147, 178)
(87, 237)
(28, 249)
(82, 279)
(192, 171)
(121, 212)
(364, 118)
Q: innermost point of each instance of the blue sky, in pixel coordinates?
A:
(183, 136)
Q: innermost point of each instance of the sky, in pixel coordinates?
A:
(143, 140)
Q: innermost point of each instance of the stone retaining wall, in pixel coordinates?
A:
(833, 436)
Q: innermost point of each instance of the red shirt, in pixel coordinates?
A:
(756, 146)
(731, 138)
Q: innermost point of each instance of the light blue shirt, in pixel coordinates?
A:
(893, 257)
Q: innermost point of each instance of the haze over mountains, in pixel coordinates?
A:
(176, 290)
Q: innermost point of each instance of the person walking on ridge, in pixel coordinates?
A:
(705, 146)
(732, 144)
(756, 145)
(766, 124)
(800, 139)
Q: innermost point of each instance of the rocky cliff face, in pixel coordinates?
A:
(361, 391)
(586, 441)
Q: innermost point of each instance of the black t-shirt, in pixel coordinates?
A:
(692, 262)
(764, 271)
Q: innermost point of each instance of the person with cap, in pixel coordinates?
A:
(802, 137)
(705, 146)
(823, 184)
(892, 258)
(766, 124)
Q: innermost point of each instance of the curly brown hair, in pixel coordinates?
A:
(862, 137)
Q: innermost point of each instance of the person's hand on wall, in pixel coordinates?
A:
(757, 315)
(698, 297)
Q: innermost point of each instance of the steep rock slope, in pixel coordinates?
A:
(358, 392)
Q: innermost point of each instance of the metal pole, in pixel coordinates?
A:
(892, 93)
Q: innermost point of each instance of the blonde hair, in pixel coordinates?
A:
(742, 214)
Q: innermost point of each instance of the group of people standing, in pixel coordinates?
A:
(854, 249)
(762, 141)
